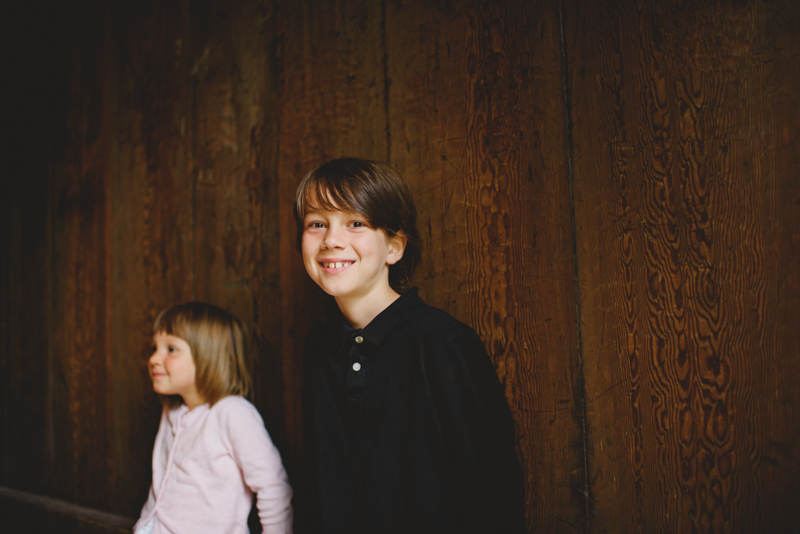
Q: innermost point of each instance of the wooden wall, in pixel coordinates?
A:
(686, 131)
(608, 192)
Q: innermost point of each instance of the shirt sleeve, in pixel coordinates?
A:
(261, 466)
(479, 437)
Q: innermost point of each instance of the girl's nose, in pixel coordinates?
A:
(154, 358)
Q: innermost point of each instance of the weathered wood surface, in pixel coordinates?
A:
(686, 130)
(331, 98)
(478, 129)
(235, 212)
(79, 359)
(152, 235)
(25, 262)
(331, 104)
(26, 512)
(166, 169)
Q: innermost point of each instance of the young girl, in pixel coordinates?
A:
(212, 451)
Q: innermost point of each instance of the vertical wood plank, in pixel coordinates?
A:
(78, 354)
(478, 129)
(684, 171)
(34, 120)
(187, 125)
(235, 214)
(152, 241)
(774, 399)
(331, 104)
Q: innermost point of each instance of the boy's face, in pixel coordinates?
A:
(346, 256)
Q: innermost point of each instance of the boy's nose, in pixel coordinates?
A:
(332, 239)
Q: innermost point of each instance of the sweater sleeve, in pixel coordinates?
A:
(479, 435)
(261, 466)
(156, 464)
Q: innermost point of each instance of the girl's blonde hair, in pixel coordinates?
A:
(217, 341)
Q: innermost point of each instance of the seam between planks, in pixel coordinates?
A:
(581, 396)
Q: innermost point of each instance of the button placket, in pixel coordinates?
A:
(356, 372)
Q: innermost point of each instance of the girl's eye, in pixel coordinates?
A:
(359, 224)
(153, 348)
(171, 349)
(316, 225)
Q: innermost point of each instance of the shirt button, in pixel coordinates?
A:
(359, 339)
(356, 366)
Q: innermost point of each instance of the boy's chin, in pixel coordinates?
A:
(338, 291)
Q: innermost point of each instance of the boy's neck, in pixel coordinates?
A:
(360, 311)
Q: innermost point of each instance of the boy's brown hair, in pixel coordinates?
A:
(372, 189)
(217, 341)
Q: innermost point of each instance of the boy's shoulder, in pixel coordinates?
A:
(432, 330)
(428, 319)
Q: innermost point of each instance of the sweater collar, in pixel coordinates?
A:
(182, 415)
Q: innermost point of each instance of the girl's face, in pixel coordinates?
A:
(172, 369)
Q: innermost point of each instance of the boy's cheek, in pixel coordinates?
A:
(308, 263)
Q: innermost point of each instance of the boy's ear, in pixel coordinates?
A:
(397, 245)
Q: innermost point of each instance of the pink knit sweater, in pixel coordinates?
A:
(207, 463)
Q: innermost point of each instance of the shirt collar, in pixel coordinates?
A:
(380, 327)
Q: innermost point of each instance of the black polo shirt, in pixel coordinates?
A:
(409, 427)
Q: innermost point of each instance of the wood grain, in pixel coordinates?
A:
(159, 144)
(677, 178)
(27, 512)
(150, 258)
(478, 130)
(79, 360)
(331, 104)
(234, 201)
(34, 120)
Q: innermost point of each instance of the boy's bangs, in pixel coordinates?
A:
(324, 194)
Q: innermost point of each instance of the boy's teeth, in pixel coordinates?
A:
(335, 265)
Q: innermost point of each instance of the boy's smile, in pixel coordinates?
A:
(333, 265)
(348, 258)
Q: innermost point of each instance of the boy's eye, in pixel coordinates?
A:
(359, 224)
(316, 225)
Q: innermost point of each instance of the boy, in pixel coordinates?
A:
(407, 422)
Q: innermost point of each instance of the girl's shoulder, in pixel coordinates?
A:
(235, 407)
(237, 421)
